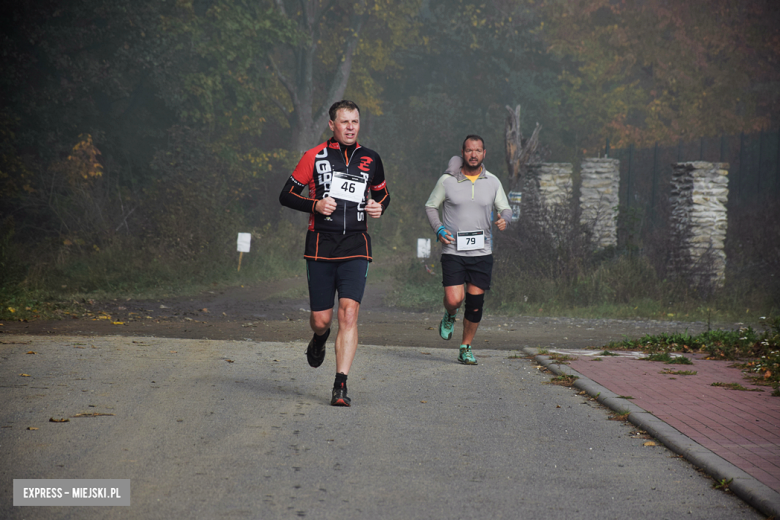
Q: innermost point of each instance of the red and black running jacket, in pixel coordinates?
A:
(342, 235)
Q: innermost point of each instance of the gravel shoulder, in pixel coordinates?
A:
(278, 311)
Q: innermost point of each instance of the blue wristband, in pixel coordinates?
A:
(440, 232)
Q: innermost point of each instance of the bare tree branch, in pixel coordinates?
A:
(341, 77)
(288, 85)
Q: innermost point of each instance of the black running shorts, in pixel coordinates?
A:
(325, 278)
(475, 270)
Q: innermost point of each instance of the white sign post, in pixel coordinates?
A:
(244, 240)
(423, 248)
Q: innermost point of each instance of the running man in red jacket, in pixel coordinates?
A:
(346, 181)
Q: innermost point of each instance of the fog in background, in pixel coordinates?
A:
(138, 138)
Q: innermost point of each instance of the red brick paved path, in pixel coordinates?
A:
(741, 427)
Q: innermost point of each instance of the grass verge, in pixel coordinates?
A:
(759, 352)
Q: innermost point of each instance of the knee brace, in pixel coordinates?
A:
(473, 311)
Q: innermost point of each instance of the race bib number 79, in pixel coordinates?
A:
(470, 240)
(349, 187)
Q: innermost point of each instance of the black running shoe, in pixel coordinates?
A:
(315, 352)
(340, 396)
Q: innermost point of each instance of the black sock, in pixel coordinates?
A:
(341, 380)
(323, 338)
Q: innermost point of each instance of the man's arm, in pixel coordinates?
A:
(292, 198)
(300, 178)
(432, 211)
(501, 203)
(379, 192)
(434, 203)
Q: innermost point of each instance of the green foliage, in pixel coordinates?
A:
(111, 271)
(668, 359)
(761, 349)
(137, 138)
(18, 299)
(220, 60)
(416, 288)
(644, 71)
(669, 371)
(736, 386)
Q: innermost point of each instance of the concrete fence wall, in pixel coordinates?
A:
(699, 192)
(600, 197)
(699, 219)
(547, 185)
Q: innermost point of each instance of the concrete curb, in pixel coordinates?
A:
(746, 487)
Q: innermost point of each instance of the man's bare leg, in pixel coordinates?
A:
(320, 321)
(453, 298)
(347, 339)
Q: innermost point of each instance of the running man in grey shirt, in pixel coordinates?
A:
(469, 193)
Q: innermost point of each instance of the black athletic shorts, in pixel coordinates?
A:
(476, 270)
(325, 278)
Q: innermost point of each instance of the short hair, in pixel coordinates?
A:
(473, 137)
(343, 104)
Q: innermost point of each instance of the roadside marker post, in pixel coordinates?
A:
(244, 240)
(424, 252)
(423, 248)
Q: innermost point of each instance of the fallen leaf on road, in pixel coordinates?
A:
(204, 309)
(557, 406)
(230, 361)
(96, 414)
(649, 443)
(52, 419)
(32, 352)
(32, 428)
(118, 322)
(423, 402)
(430, 328)
(25, 375)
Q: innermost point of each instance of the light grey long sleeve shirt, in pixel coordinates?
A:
(467, 205)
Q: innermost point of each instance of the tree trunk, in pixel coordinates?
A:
(518, 150)
(307, 121)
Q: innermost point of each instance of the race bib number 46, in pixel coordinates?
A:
(349, 187)
(470, 240)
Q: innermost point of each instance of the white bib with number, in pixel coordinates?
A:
(470, 240)
(349, 187)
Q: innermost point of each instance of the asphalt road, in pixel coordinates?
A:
(242, 429)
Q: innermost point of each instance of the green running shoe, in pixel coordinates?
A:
(466, 357)
(447, 325)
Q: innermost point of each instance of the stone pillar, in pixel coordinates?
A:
(600, 197)
(699, 218)
(547, 186)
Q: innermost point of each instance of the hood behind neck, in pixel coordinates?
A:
(455, 165)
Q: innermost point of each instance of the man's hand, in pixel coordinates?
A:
(501, 224)
(445, 237)
(326, 206)
(373, 208)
